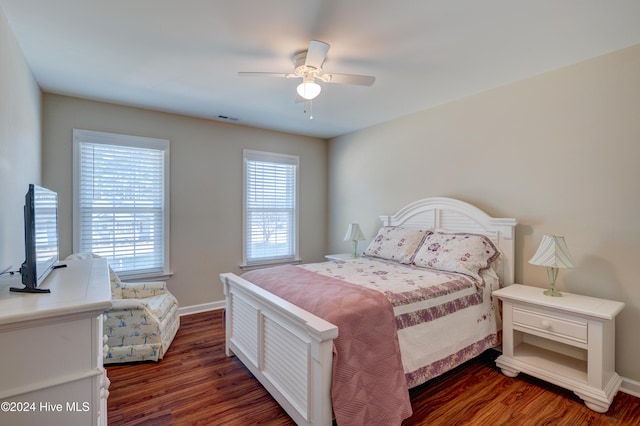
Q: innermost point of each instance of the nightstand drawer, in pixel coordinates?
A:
(552, 325)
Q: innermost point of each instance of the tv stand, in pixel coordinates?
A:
(51, 360)
(30, 290)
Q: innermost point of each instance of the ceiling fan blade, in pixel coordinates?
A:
(267, 74)
(316, 53)
(360, 80)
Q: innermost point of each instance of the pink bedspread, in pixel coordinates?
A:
(369, 385)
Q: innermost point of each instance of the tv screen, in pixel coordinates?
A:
(40, 237)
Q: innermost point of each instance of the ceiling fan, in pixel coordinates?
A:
(308, 66)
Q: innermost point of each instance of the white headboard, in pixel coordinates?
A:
(449, 215)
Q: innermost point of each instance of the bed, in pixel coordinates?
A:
(309, 358)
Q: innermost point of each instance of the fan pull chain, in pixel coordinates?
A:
(310, 109)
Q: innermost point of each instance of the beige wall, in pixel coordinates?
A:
(559, 152)
(19, 144)
(206, 185)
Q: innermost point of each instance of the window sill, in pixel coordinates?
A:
(154, 276)
(259, 265)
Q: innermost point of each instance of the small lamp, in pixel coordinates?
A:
(553, 253)
(354, 233)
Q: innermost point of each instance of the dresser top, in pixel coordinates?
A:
(83, 286)
(568, 302)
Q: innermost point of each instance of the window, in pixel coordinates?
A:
(121, 201)
(270, 208)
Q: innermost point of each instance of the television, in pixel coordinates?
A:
(40, 238)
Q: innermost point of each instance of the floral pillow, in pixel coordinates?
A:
(396, 243)
(467, 254)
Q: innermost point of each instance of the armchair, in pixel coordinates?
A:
(142, 321)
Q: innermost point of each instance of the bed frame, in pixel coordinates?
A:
(289, 350)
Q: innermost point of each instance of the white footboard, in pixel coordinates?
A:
(286, 348)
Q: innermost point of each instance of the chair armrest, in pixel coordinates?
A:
(142, 290)
(127, 304)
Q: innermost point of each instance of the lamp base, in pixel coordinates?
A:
(552, 274)
(355, 249)
(552, 292)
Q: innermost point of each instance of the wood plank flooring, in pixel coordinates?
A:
(196, 384)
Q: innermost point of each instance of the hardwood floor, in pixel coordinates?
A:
(196, 384)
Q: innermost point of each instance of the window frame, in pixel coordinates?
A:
(270, 157)
(95, 137)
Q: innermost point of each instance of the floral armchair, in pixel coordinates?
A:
(142, 322)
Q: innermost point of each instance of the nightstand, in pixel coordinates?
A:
(568, 341)
(340, 256)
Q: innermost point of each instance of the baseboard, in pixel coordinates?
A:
(631, 387)
(205, 307)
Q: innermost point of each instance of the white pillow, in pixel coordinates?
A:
(464, 253)
(396, 243)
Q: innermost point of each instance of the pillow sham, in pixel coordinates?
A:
(396, 243)
(467, 254)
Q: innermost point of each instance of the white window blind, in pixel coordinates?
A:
(121, 201)
(271, 207)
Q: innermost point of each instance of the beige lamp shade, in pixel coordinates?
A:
(354, 233)
(553, 252)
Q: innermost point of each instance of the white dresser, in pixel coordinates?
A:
(51, 347)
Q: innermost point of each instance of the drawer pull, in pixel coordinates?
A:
(546, 325)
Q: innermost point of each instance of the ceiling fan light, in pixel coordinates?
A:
(309, 89)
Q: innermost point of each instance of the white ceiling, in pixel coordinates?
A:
(184, 56)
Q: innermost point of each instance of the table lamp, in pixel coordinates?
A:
(354, 234)
(553, 253)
